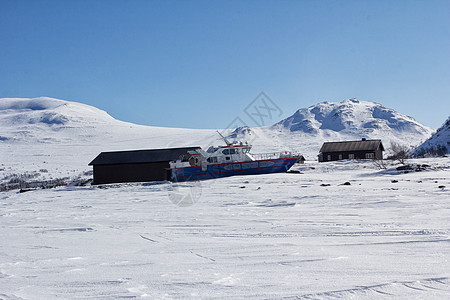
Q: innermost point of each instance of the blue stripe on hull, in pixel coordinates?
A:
(224, 170)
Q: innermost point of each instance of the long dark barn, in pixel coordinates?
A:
(364, 149)
(136, 165)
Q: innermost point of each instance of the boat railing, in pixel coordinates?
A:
(274, 155)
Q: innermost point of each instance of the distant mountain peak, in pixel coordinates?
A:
(350, 119)
(351, 116)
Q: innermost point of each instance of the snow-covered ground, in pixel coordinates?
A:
(304, 235)
(296, 235)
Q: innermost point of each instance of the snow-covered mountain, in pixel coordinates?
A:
(351, 120)
(353, 117)
(438, 144)
(58, 122)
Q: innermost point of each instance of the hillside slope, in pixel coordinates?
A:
(438, 144)
(62, 137)
(49, 120)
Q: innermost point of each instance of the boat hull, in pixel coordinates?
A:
(235, 168)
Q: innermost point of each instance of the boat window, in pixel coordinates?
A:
(229, 151)
(211, 149)
(212, 159)
(227, 158)
(245, 150)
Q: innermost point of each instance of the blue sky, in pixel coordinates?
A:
(198, 64)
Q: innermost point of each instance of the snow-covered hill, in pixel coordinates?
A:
(48, 127)
(62, 137)
(438, 144)
(49, 120)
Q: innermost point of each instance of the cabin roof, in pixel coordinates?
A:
(364, 145)
(140, 156)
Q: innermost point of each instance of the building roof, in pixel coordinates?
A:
(364, 145)
(139, 156)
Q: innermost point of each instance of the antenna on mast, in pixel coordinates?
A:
(224, 138)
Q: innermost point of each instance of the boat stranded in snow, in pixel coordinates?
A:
(232, 159)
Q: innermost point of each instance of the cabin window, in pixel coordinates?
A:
(351, 156)
(227, 158)
(212, 149)
(329, 157)
(229, 151)
(212, 159)
(370, 155)
(245, 150)
(340, 156)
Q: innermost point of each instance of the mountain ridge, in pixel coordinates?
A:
(50, 120)
(349, 116)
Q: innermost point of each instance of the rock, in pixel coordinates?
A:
(404, 168)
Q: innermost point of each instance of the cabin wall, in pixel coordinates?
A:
(334, 156)
(142, 172)
(378, 154)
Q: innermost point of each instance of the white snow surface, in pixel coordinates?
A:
(303, 235)
(263, 237)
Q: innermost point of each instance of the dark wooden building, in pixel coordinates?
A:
(136, 165)
(364, 149)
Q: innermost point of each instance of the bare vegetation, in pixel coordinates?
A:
(29, 181)
(380, 164)
(438, 150)
(400, 152)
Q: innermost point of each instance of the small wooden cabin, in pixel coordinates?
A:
(136, 165)
(364, 149)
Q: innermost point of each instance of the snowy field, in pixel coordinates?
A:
(385, 235)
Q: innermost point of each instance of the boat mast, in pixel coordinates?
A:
(224, 138)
